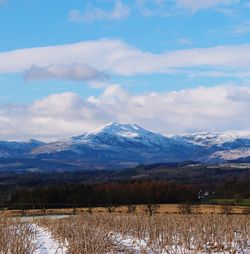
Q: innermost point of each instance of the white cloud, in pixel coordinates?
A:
(77, 72)
(116, 57)
(195, 5)
(120, 11)
(59, 115)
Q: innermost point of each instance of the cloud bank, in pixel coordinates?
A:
(116, 57)
(200, 109)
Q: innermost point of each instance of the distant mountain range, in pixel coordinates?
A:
(125, 145)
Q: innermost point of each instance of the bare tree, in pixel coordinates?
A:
(111, 208)
(23, 212)
(44, 210)
(90, 210)
(131, 209)
(185, 208)
(151, 208)
(226, 209)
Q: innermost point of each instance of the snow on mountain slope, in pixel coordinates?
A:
(118, 143)
(123, 132)
(8, 149)
(110, 136)
(216, 138)
(234, 154)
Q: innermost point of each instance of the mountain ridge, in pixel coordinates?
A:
(129, 144)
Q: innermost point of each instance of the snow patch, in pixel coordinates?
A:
(233, 154)
(128, 134)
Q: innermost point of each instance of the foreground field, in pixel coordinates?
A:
(156, 234)
(127, 233)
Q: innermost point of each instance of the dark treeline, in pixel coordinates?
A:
(109, 193)
(127, 192)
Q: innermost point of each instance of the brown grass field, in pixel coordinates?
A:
(161, 209)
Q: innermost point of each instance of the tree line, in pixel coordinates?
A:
(154, 192)
(123, 192)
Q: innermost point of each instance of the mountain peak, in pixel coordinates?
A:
(126, 130)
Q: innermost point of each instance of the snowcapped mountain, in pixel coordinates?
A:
(122, 145)
(117, 143)
(116, 134)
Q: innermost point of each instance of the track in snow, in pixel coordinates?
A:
(45, 243)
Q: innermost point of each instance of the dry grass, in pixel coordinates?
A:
(16, 237)
(160, 233)
(162, 209)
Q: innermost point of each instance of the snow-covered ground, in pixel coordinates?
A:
(131, 244)
(45, 244)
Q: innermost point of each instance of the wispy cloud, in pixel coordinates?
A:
(195, 5)
(120, 11)
(236, 30)
(153, 7)
(184, 41)
(240, 29)
(200, 109)
(119, 58)
(169, 8)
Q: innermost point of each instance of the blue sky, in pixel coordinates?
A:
(94, 53)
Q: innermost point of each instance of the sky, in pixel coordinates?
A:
(170, 66)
